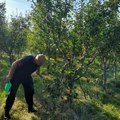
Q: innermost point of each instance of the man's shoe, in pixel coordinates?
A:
(32, 110)
(6, 116)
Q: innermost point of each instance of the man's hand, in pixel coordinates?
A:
(7, 78)
(40, 75)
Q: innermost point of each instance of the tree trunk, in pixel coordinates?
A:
(104, 72)
(11, 59)
(115, 68)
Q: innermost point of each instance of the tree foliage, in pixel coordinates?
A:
(80, 39)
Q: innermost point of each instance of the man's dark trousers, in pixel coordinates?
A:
(27, 83)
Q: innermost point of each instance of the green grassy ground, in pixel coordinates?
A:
(19, 109)
(91, 104)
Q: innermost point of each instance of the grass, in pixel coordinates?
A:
(92, 102)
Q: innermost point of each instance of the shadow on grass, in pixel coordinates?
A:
(85, 111)
(89, 111)
(19, 108)
(13, 118)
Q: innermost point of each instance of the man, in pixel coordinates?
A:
(20, 73)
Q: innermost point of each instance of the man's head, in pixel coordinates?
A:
(40, 59)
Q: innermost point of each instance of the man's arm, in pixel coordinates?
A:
(11, 71)
(38, 72)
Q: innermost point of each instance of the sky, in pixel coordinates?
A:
(14, 7)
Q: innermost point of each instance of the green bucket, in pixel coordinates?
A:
(7, 87)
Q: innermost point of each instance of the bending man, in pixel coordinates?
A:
(20, 73)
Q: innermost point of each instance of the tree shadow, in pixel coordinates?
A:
(20, 105)
(84, 110)
(89, 111)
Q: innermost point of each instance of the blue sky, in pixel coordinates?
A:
(14, 7)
